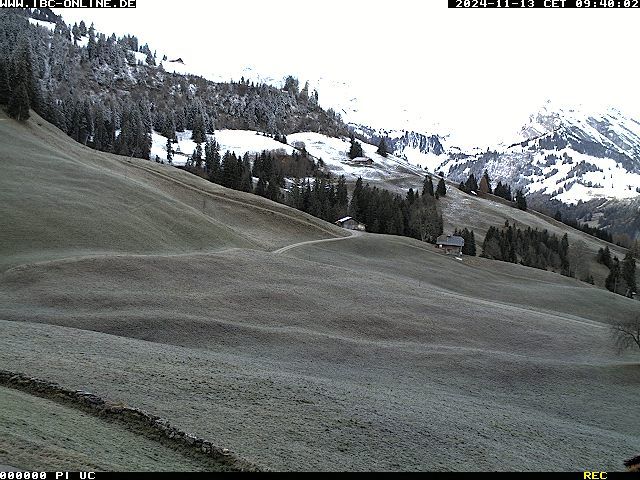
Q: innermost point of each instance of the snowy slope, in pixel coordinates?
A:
(41, 23)
(570, 154)
(237, 141)
(332, 152)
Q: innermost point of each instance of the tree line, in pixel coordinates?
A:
(102, 96)
(528, 247)
(469, 238)
(600, 233)
(622, 275)
(471, 186)
(414, 215)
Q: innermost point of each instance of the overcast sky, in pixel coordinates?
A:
(455, 67)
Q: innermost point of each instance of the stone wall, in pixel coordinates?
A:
(142, 422)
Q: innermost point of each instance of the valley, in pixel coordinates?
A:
(371, 353)
(176, 293)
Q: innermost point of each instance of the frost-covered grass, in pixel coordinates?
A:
(41, 435)
(360, 354)
(60, 199)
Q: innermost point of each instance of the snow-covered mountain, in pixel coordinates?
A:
(569, 154)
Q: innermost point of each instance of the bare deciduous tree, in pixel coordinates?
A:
(626, 335)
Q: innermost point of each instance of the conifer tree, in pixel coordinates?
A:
(273, 189)
(246, 182)
(382, 148)
(612, 282)
(169, 149)
(5, 89)
(342, 199)
(427, 186)
(472, 244)
(196, 158)
(356, 207)
(76, 33)
(355, 150)
(23, 71)
(441, 190)
(628, 273)
(471, 185)
(485, 184)
(469, 247)
(558, 216)
(604, 257)
(212, 160)
(19, 103)
(563, 252)
(261, 187)
(521, 201)
(411, 197)
(100, 137)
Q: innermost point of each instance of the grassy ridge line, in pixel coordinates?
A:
(352, 234)
(151, 426)
(79, 258)
(61, 199)
(222, 196)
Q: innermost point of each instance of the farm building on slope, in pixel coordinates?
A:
(350, 224)
(362, 161)
(451, 244)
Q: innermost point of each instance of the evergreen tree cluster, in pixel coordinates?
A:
(427, 187)
(99, 91)
(484, 187)
(323, 198)
(19, 86)
(529, 247)
(385, 212)
(238, 172)
(469, 247)
(622, 275)
(471, 185)
(521, 200)
(600, 233)
(503, 191)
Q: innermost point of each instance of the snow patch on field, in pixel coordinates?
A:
(41, 23)
(237, 141)
(332, 151)
(248, 141)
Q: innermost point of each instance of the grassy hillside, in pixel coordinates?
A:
(368, 353)
(59, 199)
(42, 435)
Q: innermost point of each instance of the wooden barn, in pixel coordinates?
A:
(362, 161)
(451, 244)
(350, 224)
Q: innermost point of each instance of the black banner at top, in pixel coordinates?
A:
(68, 3)
(584, 4)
